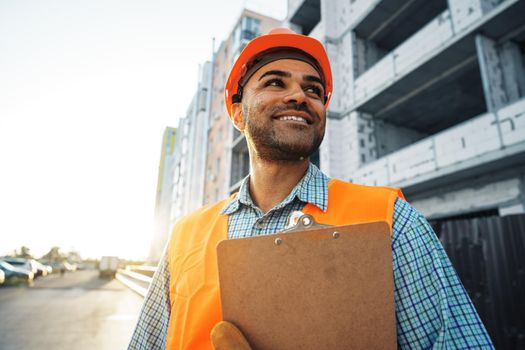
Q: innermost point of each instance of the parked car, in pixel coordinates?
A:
(14, 275)
(2, 277)
(52, 265)
(42, 270)
(70, 266)
(25, 264)
(48, 267)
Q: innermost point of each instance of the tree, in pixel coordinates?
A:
(74, 257)
(54, 254)
(24, 252)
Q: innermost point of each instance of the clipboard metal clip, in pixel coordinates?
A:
(299, 221)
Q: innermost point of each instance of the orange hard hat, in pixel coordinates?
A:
(278, 38)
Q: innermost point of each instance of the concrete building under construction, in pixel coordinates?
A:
(428, 96)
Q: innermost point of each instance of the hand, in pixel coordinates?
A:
(225, 336)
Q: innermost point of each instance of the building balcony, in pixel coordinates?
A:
(305, 13)
(361, 9)
(484, 144)
(390, 22)
(427, 62)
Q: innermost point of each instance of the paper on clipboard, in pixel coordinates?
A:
(328, 288)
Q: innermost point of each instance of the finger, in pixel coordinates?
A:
(225, 336)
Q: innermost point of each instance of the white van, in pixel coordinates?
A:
(108, 266)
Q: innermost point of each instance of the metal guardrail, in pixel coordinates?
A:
(137, 277)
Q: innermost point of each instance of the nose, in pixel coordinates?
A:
(295, 94)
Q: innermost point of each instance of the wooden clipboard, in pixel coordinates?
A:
(328, 288)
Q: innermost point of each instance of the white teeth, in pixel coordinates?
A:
(292, 117)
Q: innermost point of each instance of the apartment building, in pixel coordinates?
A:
(182, 173)
(164, 193)
(428, 96)
(189, 169)
(227, 153)
(204, 154)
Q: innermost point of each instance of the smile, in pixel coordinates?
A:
(294, 118)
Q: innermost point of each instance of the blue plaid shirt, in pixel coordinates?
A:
(433, 310)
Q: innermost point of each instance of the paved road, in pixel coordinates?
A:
(78, 311)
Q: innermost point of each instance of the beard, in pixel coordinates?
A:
(272, 144)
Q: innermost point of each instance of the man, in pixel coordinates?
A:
(276, 95)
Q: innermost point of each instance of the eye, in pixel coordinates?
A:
(274, 82)
(314, 89)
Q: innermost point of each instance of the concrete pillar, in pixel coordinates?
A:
(366, 126)
(491, 73)
(329, 13)
(513, 70)
(502, 72)
(340, 54)
(336, 154)
(349, 144)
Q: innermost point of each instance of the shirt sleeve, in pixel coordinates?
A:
(433, 309)
(152, 326)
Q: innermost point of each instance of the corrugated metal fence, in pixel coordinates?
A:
(489, 256)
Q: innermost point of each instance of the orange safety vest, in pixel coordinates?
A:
(194, 284)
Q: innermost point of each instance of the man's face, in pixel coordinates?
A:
(283, 110)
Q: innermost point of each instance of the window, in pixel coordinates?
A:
(236, 38)
(245, 31)
(251, 28)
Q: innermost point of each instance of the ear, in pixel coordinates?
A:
(237, 117)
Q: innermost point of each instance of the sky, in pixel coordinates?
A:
(86, 90)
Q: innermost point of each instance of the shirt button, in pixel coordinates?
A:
(259, 224)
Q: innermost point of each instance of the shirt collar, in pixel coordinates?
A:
(312, 188)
